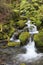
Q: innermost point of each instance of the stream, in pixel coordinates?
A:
(25, 55)
(8, 57)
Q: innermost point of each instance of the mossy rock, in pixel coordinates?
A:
(39, 39)
(24, 36)
(11, 43)
(21, 23)
(22, 64)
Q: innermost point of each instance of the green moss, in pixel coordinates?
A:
(21, 23)
(39, 39)
(13, 43)
(24, 36)
(22, 64)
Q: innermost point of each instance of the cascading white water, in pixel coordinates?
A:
(30, 47)
(13, 39)
(32, 28)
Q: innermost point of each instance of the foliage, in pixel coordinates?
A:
(3, 36)
(14, 15)
(31, 10)
(8, 29)
(21, 23)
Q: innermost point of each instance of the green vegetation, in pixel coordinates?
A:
(21, 23)
(39, 39)
(31, 10)
(14, 15)
(22, 64)
(13, 44)
(24, 36)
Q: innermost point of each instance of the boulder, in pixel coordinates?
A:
(39, 39)
(24, 37)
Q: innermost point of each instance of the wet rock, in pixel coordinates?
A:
(21, 24)
(3, 43)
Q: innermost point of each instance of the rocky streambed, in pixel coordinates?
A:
(8, 57)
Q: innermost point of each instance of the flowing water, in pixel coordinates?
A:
(30, 47)
(20, 55)
(13, 38)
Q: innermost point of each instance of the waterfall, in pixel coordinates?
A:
(32, 28)
(13, 38)
(30, 47)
